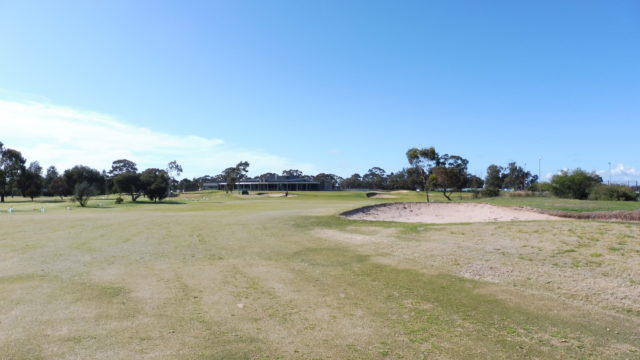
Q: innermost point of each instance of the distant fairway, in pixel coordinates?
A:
(215, 276)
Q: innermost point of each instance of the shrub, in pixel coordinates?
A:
(82, 193)
(155, 183)
(575, 184)
(612, 192)
(490, 192)
(119, 200)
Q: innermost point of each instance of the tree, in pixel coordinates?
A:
(493, 180)
(11, 163)
(375, 178)
(398, 180)
(174, 170)
(52, 174)
(353, 182)
(155, 184)
(58, 187)
(450, 173)
(574, 184)
(122, 166)
(518, 178)
(294, 173)
(422, 160)
(328, 181)
(266, 176)
(82, 192)
(474, 182)
(130, 184)
(81, 173)
(188, 185)
(31, 181)
(235, 174)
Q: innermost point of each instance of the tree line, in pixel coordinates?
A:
(81, 182)
(427, 170)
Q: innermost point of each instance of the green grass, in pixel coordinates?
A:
(553, 203)
(216, 276)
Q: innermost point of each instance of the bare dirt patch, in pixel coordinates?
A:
(441, 213)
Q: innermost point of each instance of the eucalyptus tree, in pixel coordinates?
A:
(235, 174)
(423, 160)
(11, 165)
(449, 174)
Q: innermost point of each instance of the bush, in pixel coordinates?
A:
(82, 193)
(490, 192)
(575, 184)
(613, 192)
(119, 200)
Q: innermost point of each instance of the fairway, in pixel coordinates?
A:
(214, 276)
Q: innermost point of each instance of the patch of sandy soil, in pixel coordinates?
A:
(441, 213)
(280, 195)
(570, 260)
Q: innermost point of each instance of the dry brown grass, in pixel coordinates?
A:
(275, 278)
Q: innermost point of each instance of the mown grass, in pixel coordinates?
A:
(553, 203)
(216, 276)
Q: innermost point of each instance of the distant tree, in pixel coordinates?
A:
(331, 181)
(51, 174)
(155, 184)
(200, 181)
(81, 173)
(449, 174)
(235, 174)
(375, 178)
(219, 178)
(58, 187)
(31, 181)
(82, 192)
(11, 164)
(398, 180)
(422, 160)
(353, 182)
(295, 173)
(174, 170)
(188, 185)
(474, 182)
(518, 178)
(122, 166)
(266, 176)
(574, 184)
(493, 180)
(129, 183)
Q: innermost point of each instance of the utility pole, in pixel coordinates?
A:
(539, 162)
(609, 172)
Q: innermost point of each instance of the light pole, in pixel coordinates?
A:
(609, 172)
(539, 167)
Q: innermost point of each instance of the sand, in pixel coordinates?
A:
(441, 213)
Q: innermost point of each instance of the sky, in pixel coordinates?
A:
(322, 86)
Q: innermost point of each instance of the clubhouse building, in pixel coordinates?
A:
(272, 183)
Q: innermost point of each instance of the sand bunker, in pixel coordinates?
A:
(440, 213)
(378, 195)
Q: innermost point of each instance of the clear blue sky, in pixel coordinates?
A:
(335, 86)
